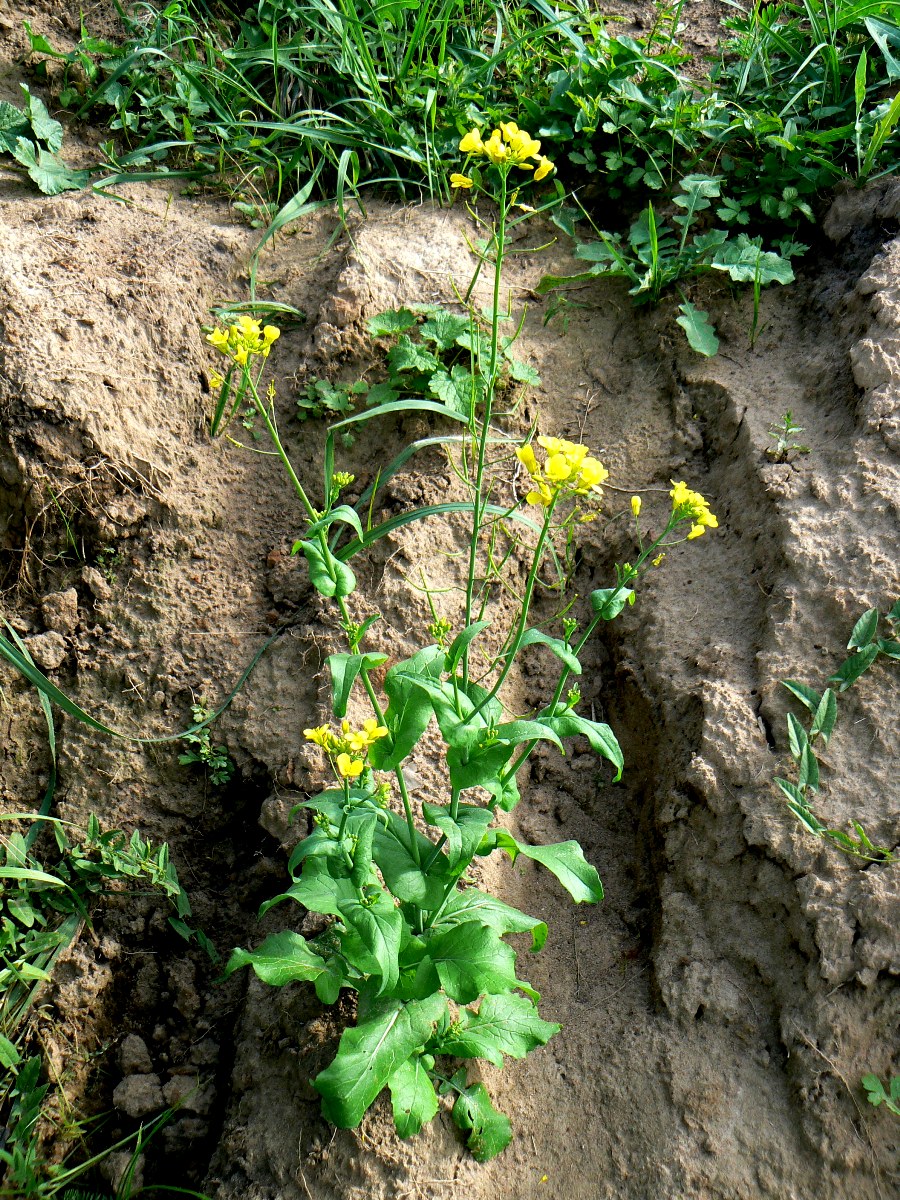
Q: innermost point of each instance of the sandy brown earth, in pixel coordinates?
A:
(720, 1007)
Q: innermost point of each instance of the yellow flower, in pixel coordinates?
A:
(495, 149)
(591, 475)
(271, 333)
(509, 129)
(545, 166)
(472, 143)
(373, 730)
(347, 767)
(691, 506)
(320, 736)
(636, 505)
(219, 339)
(216, 380)
(658, 559)
(541, 494)
(558, 468)
(525, 455)
(460, 181)
(521, 146)
(241, 355)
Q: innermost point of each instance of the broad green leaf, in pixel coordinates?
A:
(808, 776)
(851, 669)
(825, 717)
(806, 695)
(317, 891)
(371, 1053)
(522, 372)
(328, 575)
(460, 644)
(471, 960)
(408, 355)
(513, 733)
(403, 875)
(746, 262)
(565, 860)
(474, 905)
(409, 710)
(455, 388)
(797, 738)
(413, 1097)
(600, 737)
(328, 985)
(13, 125)
(43, 126)
(463, 834)
(874, 1088)
(864, 630)
(792, 792)
(443, 328)
(505, 1024)
(394, 320)
(556, 646)
(9, 1055)
(381, 393)
(889, 647)
(50, 173)
(380, 927)
(609, 602)
(282, 958)
(489, 1131)
(894, 614)
(344, 670)
(700, 333)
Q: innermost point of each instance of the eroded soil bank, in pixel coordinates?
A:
(720, 1007)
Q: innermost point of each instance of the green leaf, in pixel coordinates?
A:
(797, 738)
(394, 320)
(601, 738)
(489, 1130)
(381, 393)
(533, 637)
(463, 834)
(28, 875)
(408, 355)
(471, 959)
(609, 602)
(460, 644)
(746, 262)
(371, 1053)
(403, 875)
(318, 891)
(825, 717)
(894, 614)
(380, 927)
(13, 124)
(851, 669)
(413, 1097)
(43, 126)
(473, 905)
(344, 670)
(443, 328)
(455, 388)
(875, 1089)
(9, 1055)
(864, 630)
(700, 332)
(808, 776)
(522, 372)
(806, 695)
(344, 514)
(565, 860)
(409, 711)
(50, 173)
(889, 647)
(505, 1024)
(282, 958)
(328, 575)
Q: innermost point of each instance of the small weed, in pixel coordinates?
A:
(876, 1093)
(783, 436)
(867, 647)
(214, 759)
(108, 561)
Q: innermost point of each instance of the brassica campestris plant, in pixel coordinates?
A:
(422, 946)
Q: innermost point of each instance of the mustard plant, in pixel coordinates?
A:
(409, 930)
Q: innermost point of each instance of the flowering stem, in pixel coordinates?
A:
(499, 246)
(282, 454)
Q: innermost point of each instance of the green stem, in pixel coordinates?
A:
(499, 247)
(282, 454)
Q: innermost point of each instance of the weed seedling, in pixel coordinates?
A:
(783, 436)
(214, 759)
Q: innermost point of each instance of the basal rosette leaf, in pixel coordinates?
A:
(502, 1025)
(371, 1052)
(471, 960)
(413, 1097)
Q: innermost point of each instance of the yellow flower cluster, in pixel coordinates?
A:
(344, 748)
(567, 468)
(691, 506)
(507, 146)
(244, 339)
